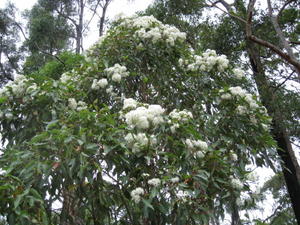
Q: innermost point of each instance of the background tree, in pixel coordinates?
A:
(9, 51)
(48, 36)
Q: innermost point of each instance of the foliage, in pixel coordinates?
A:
(9, 52)
(48, 35)
(145, 131)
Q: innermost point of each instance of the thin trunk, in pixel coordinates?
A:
(102, 19)
(70, 214)
(79, 27)
(235, 217)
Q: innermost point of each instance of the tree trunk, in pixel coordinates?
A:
(290, 166)
(70, 214)
(79, 27)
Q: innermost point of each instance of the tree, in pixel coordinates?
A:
(270, 89)
(74, 11)
(145, 131)
(49, 35)
(9, 52)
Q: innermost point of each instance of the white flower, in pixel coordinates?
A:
(236, 183)
(238, 91)
(109, 90)
(174, 127)
(141, 117)
(238, 73)
(199, 154)
(129, 138)
(102, 83)
(226, 96)
(136, 194)
(174, 179)
(154, 182)
(241, 110)
(234, 157)
(181, 116)
(201, 144)
(81, 106)
(145, 174)
(72, 103)
(189, 143)
(129, 103)
(116, 77)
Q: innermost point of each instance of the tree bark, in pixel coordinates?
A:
(290, 166)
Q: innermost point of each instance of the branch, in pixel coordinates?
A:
(285, 80)
(226, 5)
(94, 13)
(37, 46)
(277, 50)
(278, 30)
(284, 5)
(287, 57)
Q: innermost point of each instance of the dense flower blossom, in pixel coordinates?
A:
(130, 103)
(192, 144)
(18, 87)
(181, 116)
(152, 29)
(117, 72)
(236, 183)
(143, 117)
(207, 62)
(97, 84)
(136, 194)
(238, 73)
(154, 182)
(139, 141)
(73, 104)
(174, 179)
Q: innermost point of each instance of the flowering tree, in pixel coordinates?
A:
(145, 131)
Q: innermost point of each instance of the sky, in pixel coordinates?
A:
(126, 7)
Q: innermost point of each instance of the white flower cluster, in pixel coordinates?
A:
(236, 183)
(177, 117)
(238, 73)
(154, 182)
(165, 32)
(69, 76)
(130, 103)
(73, 104)
(181, 116)
(196, 145)
(139, 141)
(142, 117)
(241, 93)
(151, 28)
(117, 72)
(136, 194)
(140, 21)
(174, 179)
(97, 84)
(207, 62)
(18, 87)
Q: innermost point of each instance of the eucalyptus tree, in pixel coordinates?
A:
(270, 72)
(144, 131)
(48, 36)
(79, 14)
(9, 51)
